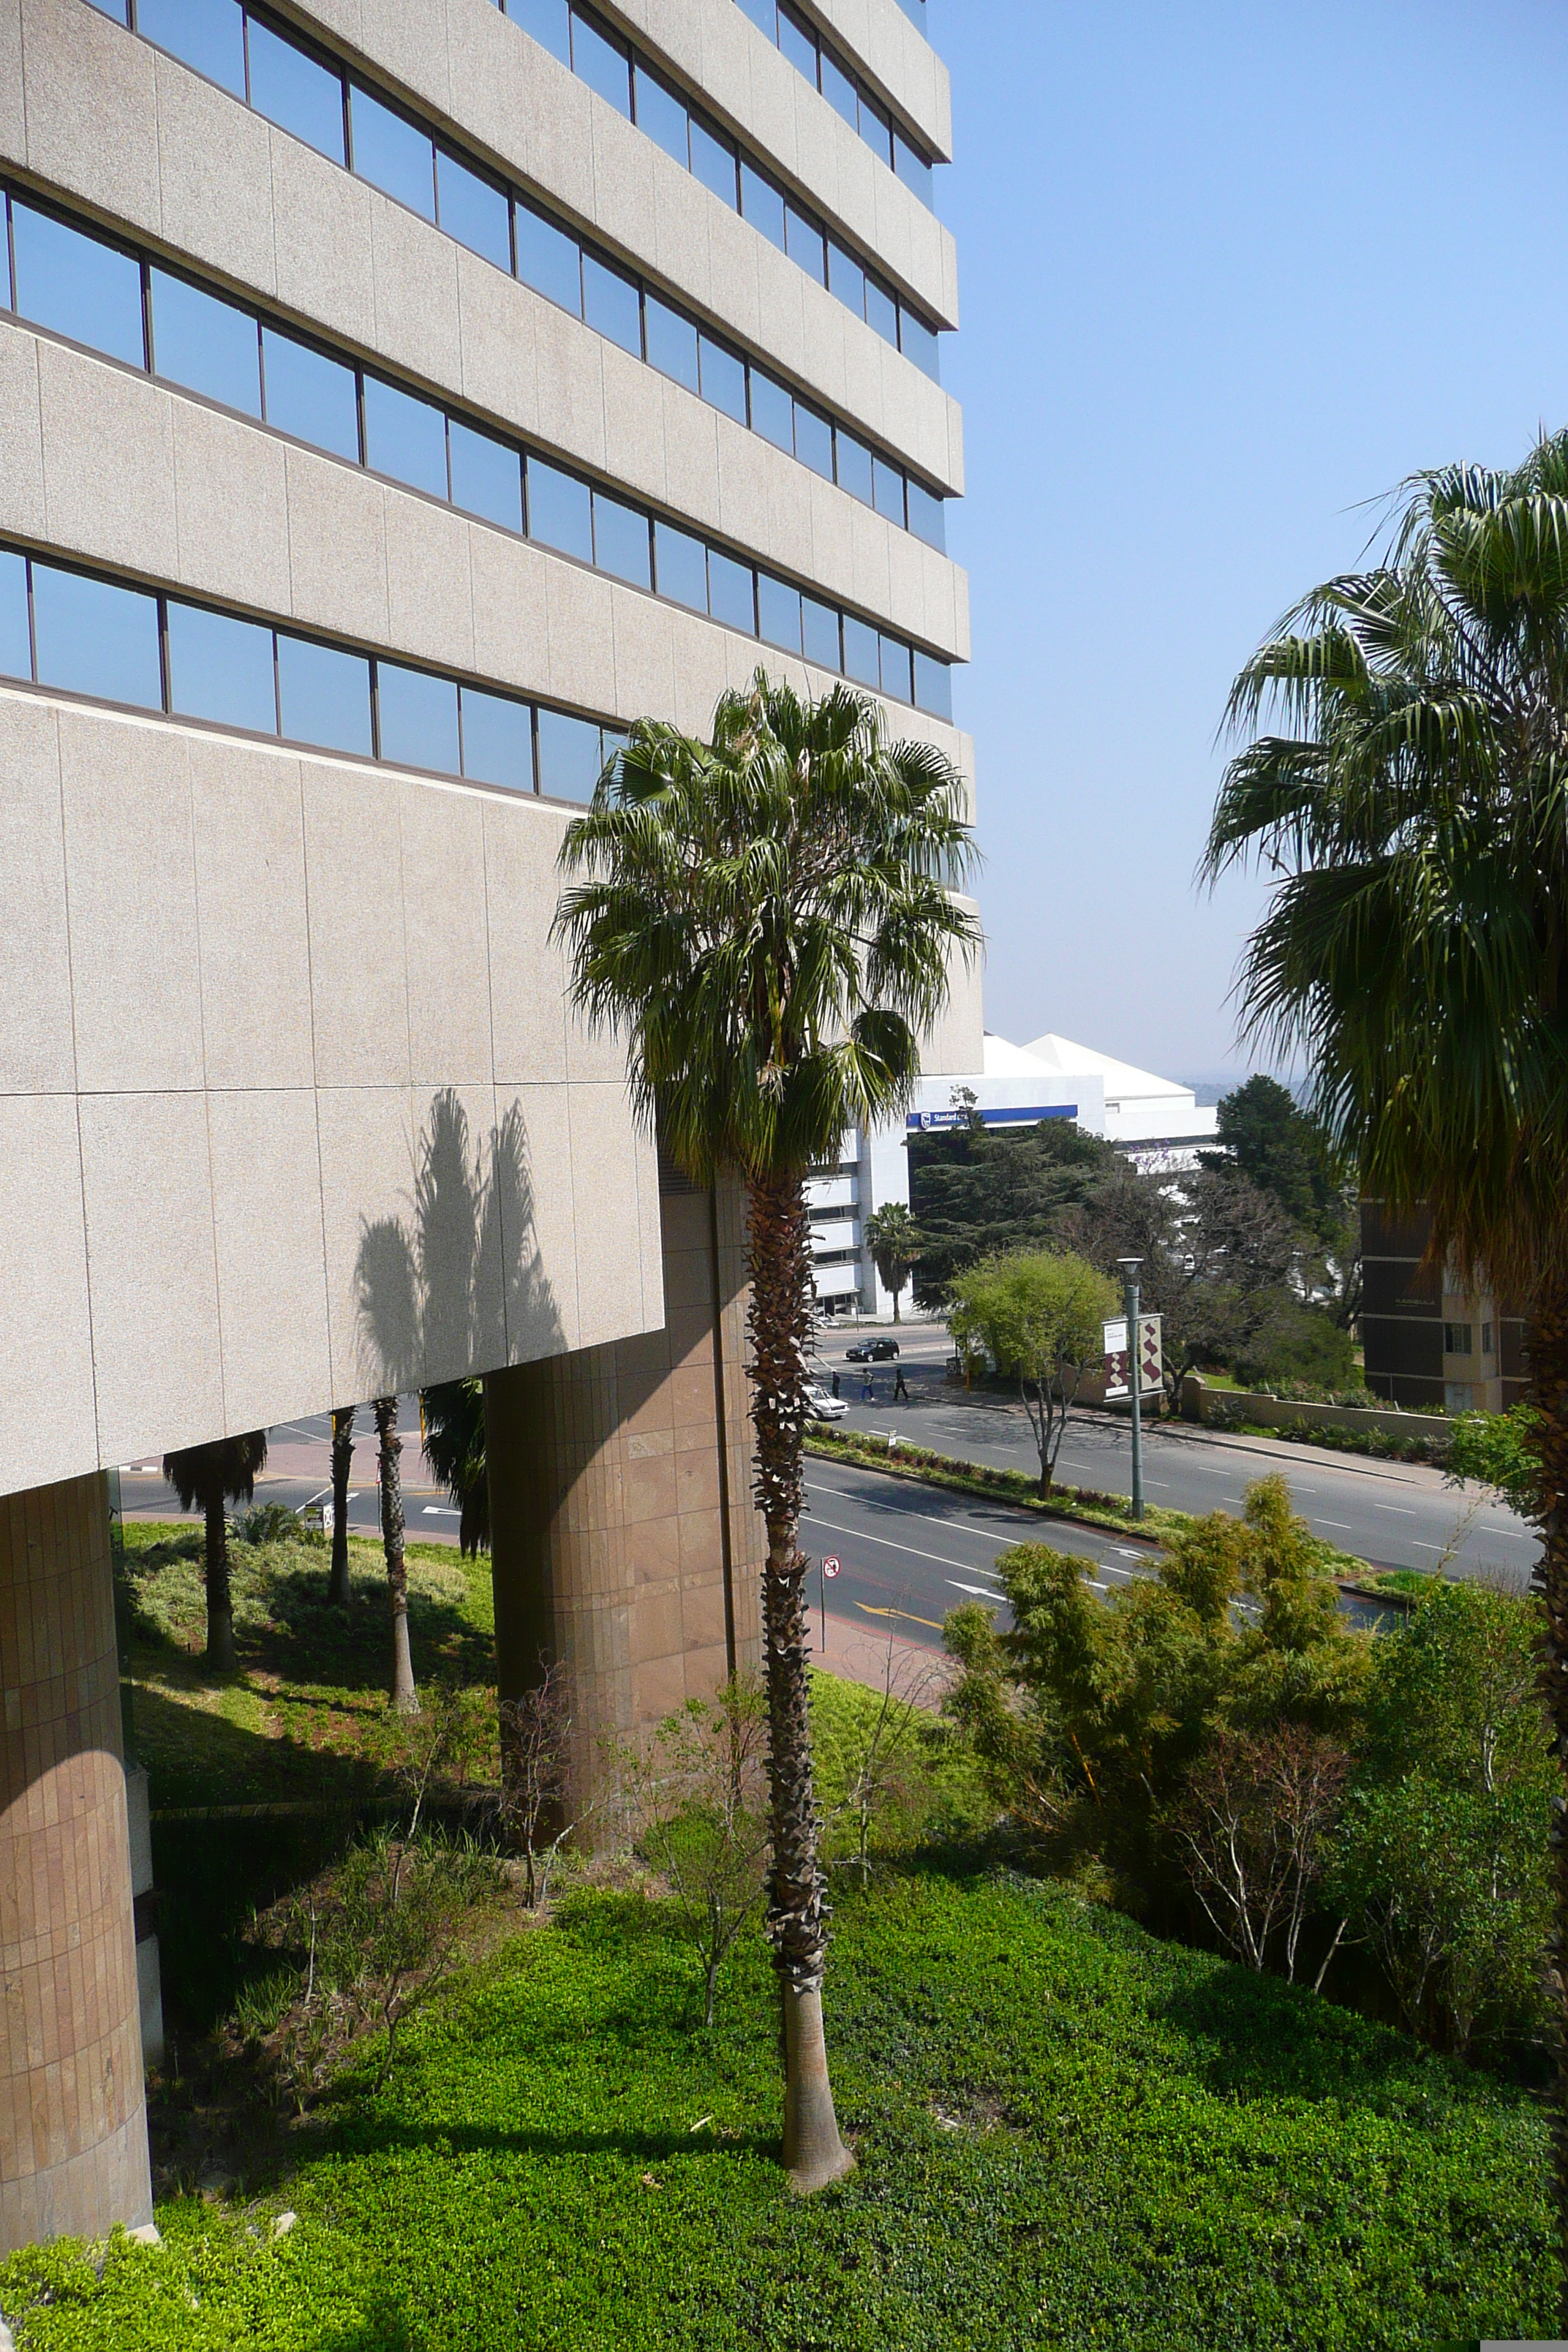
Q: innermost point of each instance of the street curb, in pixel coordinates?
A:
(915, 1475)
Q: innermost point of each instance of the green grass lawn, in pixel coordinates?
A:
(1069, 2135)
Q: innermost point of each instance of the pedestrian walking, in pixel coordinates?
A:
(900, 1387)
(868, 1392)
(836, 1384)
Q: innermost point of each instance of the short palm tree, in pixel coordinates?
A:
(895, 1246)
(771, 919)
(342, 1456)
(389, 1445)
(1414, 809)
(206, 1477)
(452, 1421)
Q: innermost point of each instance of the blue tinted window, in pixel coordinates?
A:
(208, 34)
(713, 161)
(876, 128)
(819, 632)
(854, 466)
(927, 516)
(896, 669)
(548, 259)
(548, 21)
(803, 243)
(97, 638)
(918, 342)
(15, 641)
(205, 343)
(764, 14)
(840, 91)
(418, 718)
(671, 342)
(309, 395)
(221, 668)
(613, 740)
(778, 611)
(325, 696)
(888, 490)
(602, 63)
(474, 211)
(404, 437)
(89, 291)
(292, 90)
(662, 115)
(683, 564)
(731, 595)
(620, 540)
(846, 278)
(763, 205)
(611, 304)
(723, 381)
(498, 741)
(933, 685)
(862, 655)
(390, 154)
(796, 43)
(813, 440)
(560, 511)
(772, 412)
(569, 756)
(487, 476)
(115, 8)
(912, 169)
(881, 312)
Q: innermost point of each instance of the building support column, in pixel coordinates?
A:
(624, 1542)
(73, 2124)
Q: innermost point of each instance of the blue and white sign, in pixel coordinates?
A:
(928, 1122)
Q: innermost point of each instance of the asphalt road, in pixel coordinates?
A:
(1393, 1514)
(299, 1471)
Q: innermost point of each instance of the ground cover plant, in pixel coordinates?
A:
(1067, 2132)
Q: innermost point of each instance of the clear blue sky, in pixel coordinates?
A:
(1226, 272)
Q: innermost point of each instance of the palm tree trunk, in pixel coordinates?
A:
(342, 1456)
(1548, 1353)
(778, 1262)
(220, 1604)
(405, 1697)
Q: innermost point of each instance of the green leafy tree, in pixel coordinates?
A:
(452, 1421)
(1405, 780)
(1040, 1316)
(206, 1477)
(975, 1192)
(895, 1246)
(771, 920)
(1501, 1451)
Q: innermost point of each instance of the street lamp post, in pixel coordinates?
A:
(1130, 1269)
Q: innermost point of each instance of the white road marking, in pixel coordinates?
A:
(981, 1591)
(1397, 1509)
(1496, 1528)
(889, 1545)
(1344, 1526)
(434, 1511)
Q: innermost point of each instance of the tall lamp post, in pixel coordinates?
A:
(1130, 1269)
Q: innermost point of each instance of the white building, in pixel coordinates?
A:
(1158, 1122)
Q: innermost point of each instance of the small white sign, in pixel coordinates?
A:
(830, 1565)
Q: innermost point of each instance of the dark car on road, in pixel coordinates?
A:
(871, 1351)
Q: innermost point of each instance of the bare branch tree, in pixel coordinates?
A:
(1252, 1830)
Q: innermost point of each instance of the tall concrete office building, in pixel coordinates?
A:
(398, 398)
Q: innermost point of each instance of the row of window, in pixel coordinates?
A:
(814, 55)
(85, 635)
(620, 73)
(312, 98)
(102, 295)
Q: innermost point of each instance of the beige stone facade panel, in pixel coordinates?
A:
(267, 1220)
(37, 1044)
(45, 1325)
(356, 884)
(252, 914)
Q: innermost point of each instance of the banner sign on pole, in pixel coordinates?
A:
(1151, 1358)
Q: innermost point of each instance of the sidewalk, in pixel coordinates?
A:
(858, 1651)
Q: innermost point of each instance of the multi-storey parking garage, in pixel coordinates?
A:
(398, 398)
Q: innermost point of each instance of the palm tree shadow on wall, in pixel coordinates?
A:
(457, 1287)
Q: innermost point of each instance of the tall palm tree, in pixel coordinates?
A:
(452, 1422)
(342, 1456)
(895, 1246)
(405, 1696)
(770, 918)
(1414, 810)
(206, 1477)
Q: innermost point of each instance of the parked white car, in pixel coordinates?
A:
(821, 1406)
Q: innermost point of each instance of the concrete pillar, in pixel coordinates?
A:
(73, 2127)
(624, 1540)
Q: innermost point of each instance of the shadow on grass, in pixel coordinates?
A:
(1254, 2037)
